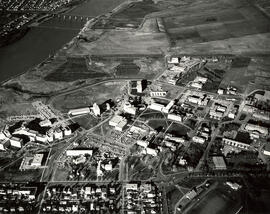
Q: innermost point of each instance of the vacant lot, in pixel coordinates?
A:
(88, 96)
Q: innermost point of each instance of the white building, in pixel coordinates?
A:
(158, 93)
(216, 114)
(45, 123)
(198, 85)
(67, 131)
(198, 139)
(96, 109)
(156, 106)
(219, 163)
(4, 134)
(79, 111)
(37, 160)
(261, 115)
(175, 117)
(249, 109)
(203, 80)
(142, 143)
(173, 60)
(220, 91)
(260, 129)
(195, 99)
(168, 107)
(266, 150)
(78, 152)
(16, 142)
(41, 138)
(58, 134)
(131, 186)
(4, 144)
(139, 87)
(130, 109)
(236, 144)
(118, 122)
(151, 151)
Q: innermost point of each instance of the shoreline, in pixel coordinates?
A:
(69, 43)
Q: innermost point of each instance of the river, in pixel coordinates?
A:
(45, 39)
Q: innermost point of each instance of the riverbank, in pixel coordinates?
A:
(18, 34)
(13, 37)
(32, 78)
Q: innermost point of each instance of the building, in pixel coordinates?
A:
(16, 142)
(67, 131)
(216, 114)
(115, 120)
(120, 126)
(156, 106)
(168, 107)
(139, 87)
(262, 115)
(219, 163)
(198, 139)
(130, 109)
(4, 144)
(266, 150)
(58, 134)
(45, 123)
(118, 122)
(96, 109)
(260, 129)
(175, 117)
(173, 60)
(131, 186)
(142, 143)
(264, 98)
(79, 111)
(158, 93)
(200, 79)
(41, 138)
(4, 134)
(249, 109)
(151, 151)
(78, 152)
(198, 85)
(236, 144)
(195, 99)
(37, 160)
(220, 91)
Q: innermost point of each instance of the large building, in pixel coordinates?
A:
(78, 152)
(219, 163)
(37, 160)
(96, 109)
(236, 144)
(4, 144)
(156, 106)
(16, 142)
(256, 128)
(175, 117)
(130, 109)
(79, 111)
(118, 122)
(158, 93)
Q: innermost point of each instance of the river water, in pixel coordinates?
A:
(47, 38)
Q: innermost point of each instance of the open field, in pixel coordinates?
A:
(74, 69)
(88, 96)
(214, 20)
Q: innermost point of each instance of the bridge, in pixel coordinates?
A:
(73, 17)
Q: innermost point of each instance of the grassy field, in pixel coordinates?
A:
(88, 96)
